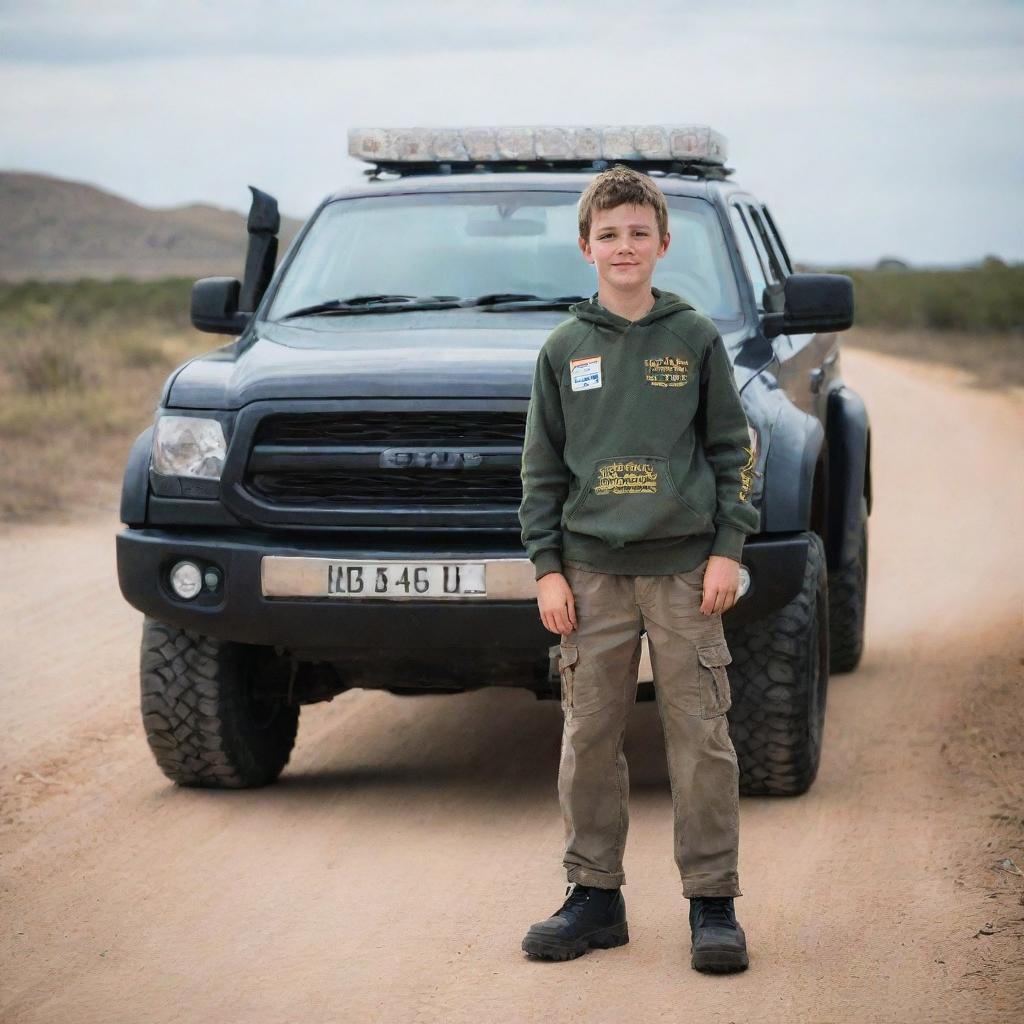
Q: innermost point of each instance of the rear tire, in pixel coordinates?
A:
(779, 678)
(847, 599)
(204, 720)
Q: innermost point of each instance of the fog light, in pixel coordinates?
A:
(186, 580)
(744, 582)
(211, 578)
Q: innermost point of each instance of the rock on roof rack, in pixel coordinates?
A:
(693, 149)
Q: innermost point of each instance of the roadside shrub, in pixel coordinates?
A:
(50, 367)
(140, 352)
(119, 304)
(985, 298)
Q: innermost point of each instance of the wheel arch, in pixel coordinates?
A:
(795, 469)
(849, 473)
(135, 485)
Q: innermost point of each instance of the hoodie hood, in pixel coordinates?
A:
(665, 303)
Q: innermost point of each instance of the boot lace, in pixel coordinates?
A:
(575, 895)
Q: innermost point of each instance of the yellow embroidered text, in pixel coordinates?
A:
(667, 372)
(747, 475)
(627, 478)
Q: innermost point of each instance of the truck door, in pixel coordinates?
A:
(801, 372)
(825, 347)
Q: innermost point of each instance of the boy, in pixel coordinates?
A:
(636, 477)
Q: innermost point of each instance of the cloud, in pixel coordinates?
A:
(70, 33)
(78, 32)
(868, 129)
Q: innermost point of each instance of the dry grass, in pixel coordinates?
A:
(987, 297)
(993, 360)
(71, 404)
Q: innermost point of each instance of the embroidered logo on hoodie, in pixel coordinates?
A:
(667, 371)
(627, 478)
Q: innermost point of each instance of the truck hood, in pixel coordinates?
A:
(430, 354)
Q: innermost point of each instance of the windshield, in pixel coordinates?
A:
(466, 244)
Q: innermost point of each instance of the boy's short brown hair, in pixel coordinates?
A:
(615, 186)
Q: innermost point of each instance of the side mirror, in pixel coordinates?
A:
(811, 303)
(215, 306)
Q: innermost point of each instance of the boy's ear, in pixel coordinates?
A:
(585, 249)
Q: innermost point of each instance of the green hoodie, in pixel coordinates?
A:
(637, 457)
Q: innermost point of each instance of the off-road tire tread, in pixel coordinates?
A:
(196, 717)
(778, 746)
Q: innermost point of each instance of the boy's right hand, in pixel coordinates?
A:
(556, 604)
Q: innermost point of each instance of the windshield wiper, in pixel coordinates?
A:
(496, 297)
(522, 300)
(495, 301)
(373, 304)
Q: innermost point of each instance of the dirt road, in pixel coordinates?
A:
(389, 876)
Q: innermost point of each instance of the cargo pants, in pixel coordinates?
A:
(598, 664)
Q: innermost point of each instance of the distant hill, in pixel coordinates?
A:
(58, 230)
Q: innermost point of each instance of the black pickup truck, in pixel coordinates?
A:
(330, 500)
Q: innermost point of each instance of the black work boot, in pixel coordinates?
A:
(719, 945)
(589, 917)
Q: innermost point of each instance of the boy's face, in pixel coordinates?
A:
(624, 245)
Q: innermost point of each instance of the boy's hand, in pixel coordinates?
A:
(556, 604)
(721, 581)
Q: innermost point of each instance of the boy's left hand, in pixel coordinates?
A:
(721, 582)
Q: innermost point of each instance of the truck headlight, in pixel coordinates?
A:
(188, 446)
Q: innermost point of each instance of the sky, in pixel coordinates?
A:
(870, 129)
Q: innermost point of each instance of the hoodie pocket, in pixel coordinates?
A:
(633, 498)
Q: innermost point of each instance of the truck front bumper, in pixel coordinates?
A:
(504, 621)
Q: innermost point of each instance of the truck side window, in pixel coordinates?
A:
(764, 245)
(756, 232)
(776, 237)
(751, 259)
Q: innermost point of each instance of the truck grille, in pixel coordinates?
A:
(392, 428)
(424, 487)
(334, 460)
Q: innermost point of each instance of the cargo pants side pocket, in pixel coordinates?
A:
(715, 694)
(568, 655)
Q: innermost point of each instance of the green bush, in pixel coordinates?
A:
(985, 298)
(89, 304)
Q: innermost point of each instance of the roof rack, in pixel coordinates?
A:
(689, 149)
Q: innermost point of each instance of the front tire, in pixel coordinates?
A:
(779, 676)
(209, 717)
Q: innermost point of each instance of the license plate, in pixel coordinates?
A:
(322, 577)
(404, 579)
